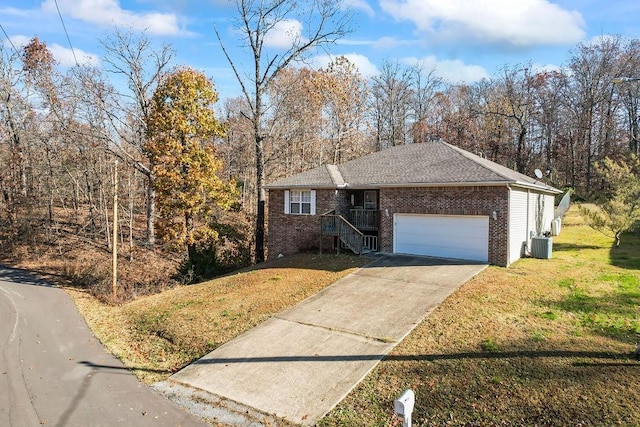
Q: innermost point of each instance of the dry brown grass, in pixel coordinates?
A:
(158, 334)
(544, 342)
(67, 254)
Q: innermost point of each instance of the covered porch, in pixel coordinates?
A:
(356, 225)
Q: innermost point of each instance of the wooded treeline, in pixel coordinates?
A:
(61, 131)
(557, 121)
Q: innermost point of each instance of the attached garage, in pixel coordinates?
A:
(431, 199)
(446, 236)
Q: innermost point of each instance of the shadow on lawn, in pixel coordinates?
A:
(612, 314)
(487, 355)
(573, 247)
(627, 255)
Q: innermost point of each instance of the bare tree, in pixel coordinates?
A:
(322, 22)
(426, 85)
(392, 93)
(15, 114)
(589, 97)
(629, 90)
(343, 92)
(132, 57)
(507, 104)
(295, 123)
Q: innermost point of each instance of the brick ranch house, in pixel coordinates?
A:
(431, 199)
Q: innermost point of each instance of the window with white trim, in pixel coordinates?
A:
(300, 202)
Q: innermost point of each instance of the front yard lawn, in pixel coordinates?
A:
(157, 335)
(543, 342)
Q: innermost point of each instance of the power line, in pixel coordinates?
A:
(10, 42)
(66, 33)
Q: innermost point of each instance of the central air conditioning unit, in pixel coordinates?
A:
(541, 247)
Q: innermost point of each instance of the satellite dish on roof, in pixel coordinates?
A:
(538, 173)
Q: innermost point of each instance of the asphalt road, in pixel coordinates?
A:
(54, 372)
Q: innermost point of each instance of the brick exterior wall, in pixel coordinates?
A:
(288, 233)
(449, 201)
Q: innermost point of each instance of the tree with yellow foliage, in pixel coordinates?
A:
(182, 128)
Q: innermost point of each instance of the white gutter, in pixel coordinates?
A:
(419, 185)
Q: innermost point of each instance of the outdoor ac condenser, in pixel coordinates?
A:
(541, 247)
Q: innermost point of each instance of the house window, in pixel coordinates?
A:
(300, 202)
(370, 199)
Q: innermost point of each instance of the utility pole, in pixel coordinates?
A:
(114, 282)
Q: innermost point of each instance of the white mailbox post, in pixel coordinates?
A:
(403, 406)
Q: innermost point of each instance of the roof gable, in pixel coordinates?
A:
(428, 164)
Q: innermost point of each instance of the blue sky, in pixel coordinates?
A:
(462, 40)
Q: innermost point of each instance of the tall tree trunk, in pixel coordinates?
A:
(131, 213)
(151, 211)
(260, 216)
(521, 157)
(191, 247)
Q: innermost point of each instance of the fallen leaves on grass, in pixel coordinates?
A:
(158, 334)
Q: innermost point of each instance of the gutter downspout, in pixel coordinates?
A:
(526, 246)
(509, 225)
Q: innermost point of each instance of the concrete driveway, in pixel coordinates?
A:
(299, 364)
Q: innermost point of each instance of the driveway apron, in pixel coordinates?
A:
(299, 364)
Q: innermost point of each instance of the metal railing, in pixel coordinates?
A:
(364, 219)
(329, 223)
(337, 225)
(370, 243)
(350, 236)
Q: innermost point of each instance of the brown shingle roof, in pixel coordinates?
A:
(429, 164)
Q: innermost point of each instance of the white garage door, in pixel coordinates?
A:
(446, 236)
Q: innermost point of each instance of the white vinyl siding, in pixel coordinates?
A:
(518, 229)
(446, 236)
(300, 202)
(524, 219)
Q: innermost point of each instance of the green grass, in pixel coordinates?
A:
(543, 342)
(158, 334)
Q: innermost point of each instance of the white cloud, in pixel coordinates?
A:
(284, 34)
(603, 39)
(546, 68)
(14, 11)
(20, 41)
(388, 42)
(451, 70)
(360, 5)
(365, 66)
(62, 55)
(107, 13)
(514, 22)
